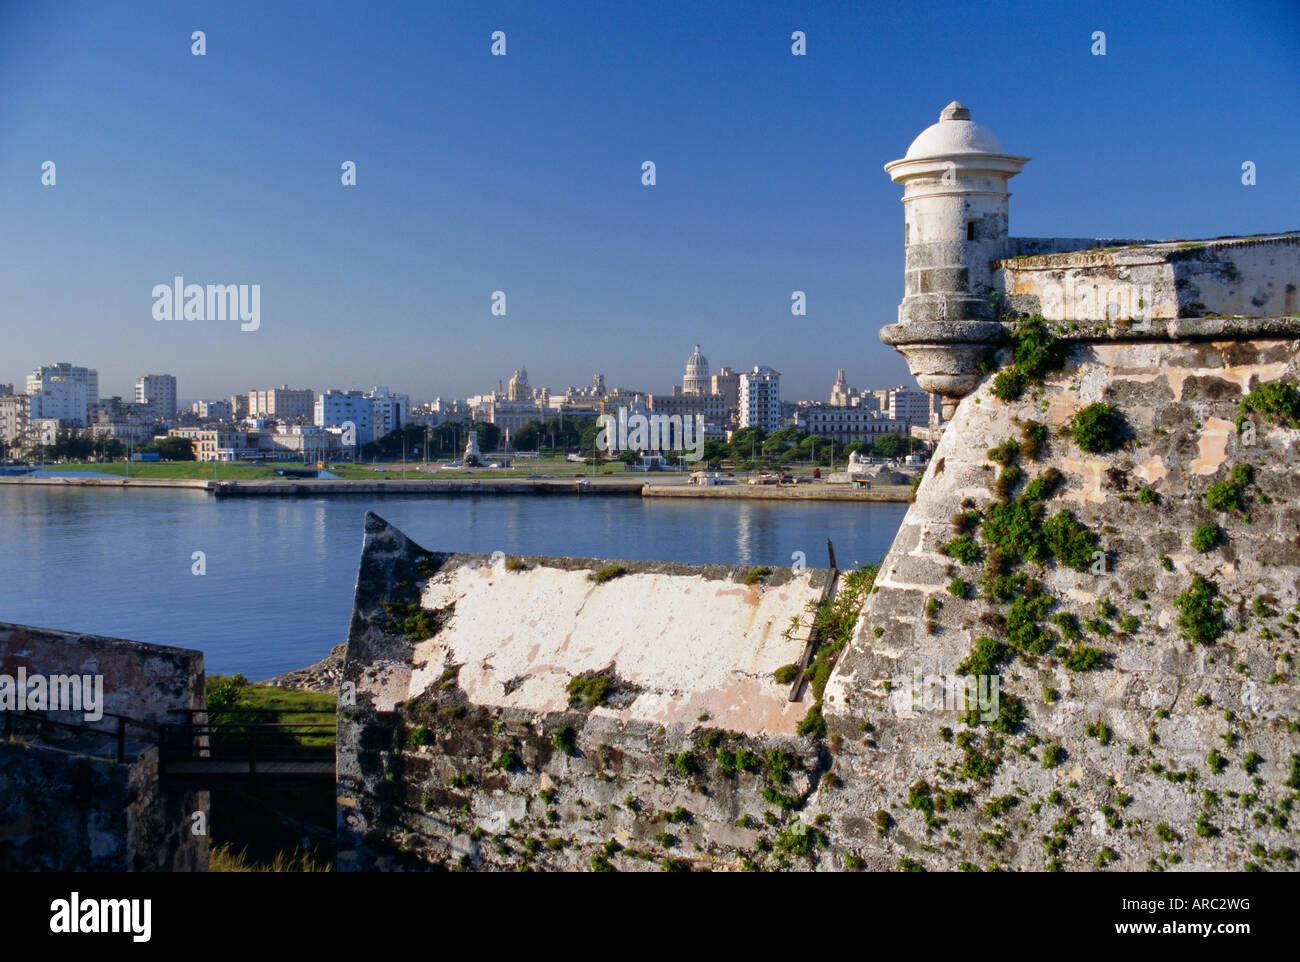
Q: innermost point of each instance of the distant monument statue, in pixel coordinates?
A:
(473, 457)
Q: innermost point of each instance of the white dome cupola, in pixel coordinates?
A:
(955, 209)
(954, 179)
(955, 133)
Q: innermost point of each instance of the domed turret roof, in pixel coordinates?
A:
(955, 133)
(697, 364)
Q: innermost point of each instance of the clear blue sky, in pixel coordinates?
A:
(479, 173)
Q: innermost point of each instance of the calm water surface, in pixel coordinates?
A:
(280, 572)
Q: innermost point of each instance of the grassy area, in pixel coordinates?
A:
(234, 691)
(202, 471)
(258, 829)
(560, 470)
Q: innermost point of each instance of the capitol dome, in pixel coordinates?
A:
(697, 364)
(955, 133)
(696, 380)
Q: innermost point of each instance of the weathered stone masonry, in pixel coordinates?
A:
(466, 750)
(1132, 583)
(66, 803)
(1162, 704)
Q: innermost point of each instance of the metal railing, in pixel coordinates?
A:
(237, 735)
(230, 734)
(39, 720)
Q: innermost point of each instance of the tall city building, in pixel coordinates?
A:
(60, 399)
(158, 391)
(843, 396)
(760, 399)
(905, 404)
(373, 415)
(282, 403)
(15, 410)
(388, 411)
(334, 409)
(727, 383)
(86, 377)
(517, 388)
(696, 378)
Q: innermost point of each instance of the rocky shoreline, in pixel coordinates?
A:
(323, 676)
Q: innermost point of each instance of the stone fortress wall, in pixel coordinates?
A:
(470, 745)
(1237, 277)
(1107, 536)
(68, 804)
(1130, 740)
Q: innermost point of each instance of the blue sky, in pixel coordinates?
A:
(522, 173)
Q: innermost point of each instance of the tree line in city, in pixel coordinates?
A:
(748, 447)
(70, 445)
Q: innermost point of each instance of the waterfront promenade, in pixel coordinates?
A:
(667, 486)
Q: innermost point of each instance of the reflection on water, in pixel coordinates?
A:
(280, 573)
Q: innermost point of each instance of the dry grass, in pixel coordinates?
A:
(224, 858)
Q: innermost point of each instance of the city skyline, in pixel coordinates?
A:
(523, 174)
(184, 400)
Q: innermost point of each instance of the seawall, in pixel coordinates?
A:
(414, 487)
(772, 492)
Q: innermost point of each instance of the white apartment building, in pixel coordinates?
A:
(282, 403)
(57, 381)
(760, 399)
(86, 376)
(333, 409)
(905, 404)
(388, 411)
(212, 410)
(60, 399)
(158, 391)
(14, 414)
